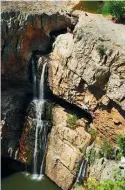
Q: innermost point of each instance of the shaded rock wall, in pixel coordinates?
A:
(23, 32)
(13, 105)
(27, 140)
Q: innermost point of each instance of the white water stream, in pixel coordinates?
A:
(40, 127)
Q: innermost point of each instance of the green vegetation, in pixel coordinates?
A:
(106, 150)
(121, 144)
(71, 120)
(78, 187)
(92, 132)
(101, 50)
(117, 184)
(82, 150)
(91, 155)
(115, 8)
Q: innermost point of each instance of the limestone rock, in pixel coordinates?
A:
(86, 68)
(63, 153)
(89, 63)
(104, 169)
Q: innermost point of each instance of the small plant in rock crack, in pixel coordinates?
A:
(101, 50)
(82, 150)
(121, 144)
(92, 132)
(71, 120)
(106, 150)
(91, 155)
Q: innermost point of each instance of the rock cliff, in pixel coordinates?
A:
(87, 68)
(65, 142)
(25, 30)
(14, 104)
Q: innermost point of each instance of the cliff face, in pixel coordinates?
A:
(13, 105)
(24, 31)
(65, 142)
(87, 68)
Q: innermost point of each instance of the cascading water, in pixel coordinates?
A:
(41, 127)
(82, 173)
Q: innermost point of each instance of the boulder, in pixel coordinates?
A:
(89, 63)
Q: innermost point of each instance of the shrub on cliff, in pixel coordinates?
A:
(115, 8)
(106, 150)
(71, 120)
(121, 144)
(117, 184)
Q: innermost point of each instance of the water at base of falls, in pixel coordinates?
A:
(37, 177)
(41, 127)
(24, 181)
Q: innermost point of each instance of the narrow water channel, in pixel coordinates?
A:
(19, 181)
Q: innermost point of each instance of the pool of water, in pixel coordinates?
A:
(23, 181)
(89, 6)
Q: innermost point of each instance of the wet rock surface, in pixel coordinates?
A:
(13, 105)
(27, 140)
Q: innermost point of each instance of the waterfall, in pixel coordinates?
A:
(41, 97)
(16, 154)
(82, 173)
(41, 128)
(44, 143)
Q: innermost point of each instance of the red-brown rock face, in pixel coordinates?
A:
(23, 33)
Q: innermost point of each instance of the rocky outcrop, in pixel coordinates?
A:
(108, 124)
(103, 169)
(64, 148)
(87, 69)
(24, 31)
